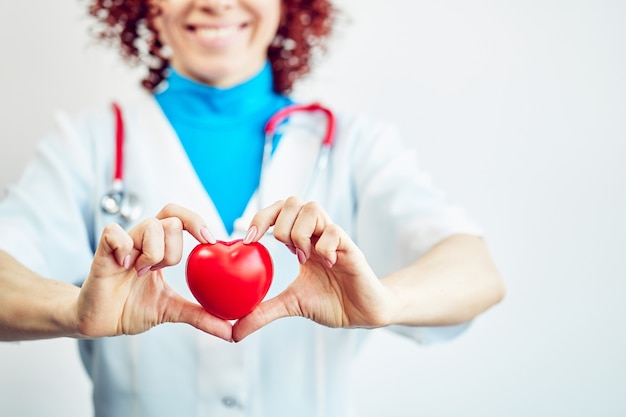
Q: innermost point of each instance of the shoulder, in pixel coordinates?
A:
(363, 136)
(100, 119)
(102, 110)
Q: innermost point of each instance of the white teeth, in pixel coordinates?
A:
(216, 33)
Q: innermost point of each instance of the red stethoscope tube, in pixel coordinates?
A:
(127, 207)
(118, 173)
(285, 112)
(117, 201)
(324, 152)
(270, 129)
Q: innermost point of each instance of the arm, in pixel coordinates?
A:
(452, 283)
(34, 307)
(124, 293)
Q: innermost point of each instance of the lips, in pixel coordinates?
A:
(216, 33)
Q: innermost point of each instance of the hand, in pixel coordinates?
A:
(126, 293)
(335, 286)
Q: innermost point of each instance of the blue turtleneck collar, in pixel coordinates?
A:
(199, 99)
(222, 130)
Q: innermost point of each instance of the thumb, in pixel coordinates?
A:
(184, 311)
(265, 313)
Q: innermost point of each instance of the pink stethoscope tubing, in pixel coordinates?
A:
(323, 154)
(127, 206)
(285, 112)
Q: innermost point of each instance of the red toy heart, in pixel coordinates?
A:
(229, 279)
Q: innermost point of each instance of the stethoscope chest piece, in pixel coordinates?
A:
(125, 206)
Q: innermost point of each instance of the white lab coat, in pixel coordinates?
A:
(51, 221)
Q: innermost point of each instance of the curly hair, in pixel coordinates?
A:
(129, 24)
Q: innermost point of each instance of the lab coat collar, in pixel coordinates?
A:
(286, 174)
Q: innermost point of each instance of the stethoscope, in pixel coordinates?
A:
(127, 207)
(118, 201)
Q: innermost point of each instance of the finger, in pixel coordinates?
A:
(262, 221)
(286, 219)
(115, 241)
(173, 239)
(333, 239)
(184, 311)
(265, 313)
(149, 240)
(191, 221)
(311, 221)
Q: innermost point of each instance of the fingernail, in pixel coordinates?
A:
(126, 262)
(292, 249)
(328, 263)
(207, 235)
(301, 256)
(143, 271)
(250, 234)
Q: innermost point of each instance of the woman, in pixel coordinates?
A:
(372, 245)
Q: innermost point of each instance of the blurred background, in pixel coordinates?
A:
(518, 110)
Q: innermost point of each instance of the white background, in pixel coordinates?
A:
(518, 109)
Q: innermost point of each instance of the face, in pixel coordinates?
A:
(218, 42)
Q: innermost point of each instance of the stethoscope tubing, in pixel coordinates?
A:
(118, 202)
(118, 174)
(285, 112)
(323, 155)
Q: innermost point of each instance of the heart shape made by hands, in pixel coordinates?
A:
(229, 279)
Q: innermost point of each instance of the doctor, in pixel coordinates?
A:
(372, 245)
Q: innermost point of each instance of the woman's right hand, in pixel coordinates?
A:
(126, 293)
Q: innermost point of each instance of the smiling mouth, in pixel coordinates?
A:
(216, 33)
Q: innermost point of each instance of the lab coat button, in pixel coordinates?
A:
(230, 402)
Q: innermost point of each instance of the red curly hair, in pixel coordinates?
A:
(304, 29)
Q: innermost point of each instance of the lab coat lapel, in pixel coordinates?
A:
(286, 174)
(183, 186)
(290, 168)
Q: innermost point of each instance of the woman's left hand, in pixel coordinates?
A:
(335, 286)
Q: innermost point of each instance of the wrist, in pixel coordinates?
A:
(397, 303)
(62, 310)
